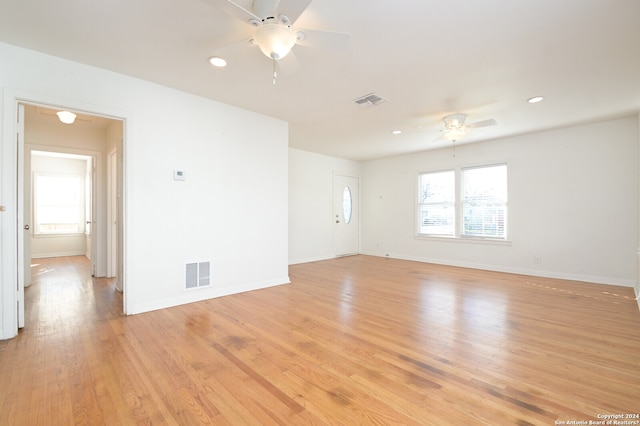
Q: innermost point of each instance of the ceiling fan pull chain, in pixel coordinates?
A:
(274, 72)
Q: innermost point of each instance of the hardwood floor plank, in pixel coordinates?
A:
(355, 340)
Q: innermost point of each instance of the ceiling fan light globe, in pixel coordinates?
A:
(275, 40)
(454, 135)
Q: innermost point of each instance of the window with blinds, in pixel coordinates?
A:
(436, 203)
(477, 208)
(484, 201)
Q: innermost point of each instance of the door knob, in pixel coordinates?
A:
(26, 227)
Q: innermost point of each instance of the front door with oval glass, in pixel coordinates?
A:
(346, 237)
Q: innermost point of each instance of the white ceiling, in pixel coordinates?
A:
(47, 116)
(429, 58)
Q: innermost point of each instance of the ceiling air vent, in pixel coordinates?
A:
(370, 100)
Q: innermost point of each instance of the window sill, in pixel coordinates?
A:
(66, 235)
(472, 240)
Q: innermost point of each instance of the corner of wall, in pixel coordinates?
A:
(637, 286)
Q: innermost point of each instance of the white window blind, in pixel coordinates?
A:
(436, 203)
(484, 201)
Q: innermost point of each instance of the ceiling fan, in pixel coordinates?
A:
(271, 28)
(455, 127)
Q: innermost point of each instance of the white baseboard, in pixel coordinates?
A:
(60, 254)
(521, 271)
(205, 294)
(310, 259)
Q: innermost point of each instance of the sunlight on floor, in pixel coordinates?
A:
(44, 270)
(606, 298)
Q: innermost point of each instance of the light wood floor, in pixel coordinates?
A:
(355, 340)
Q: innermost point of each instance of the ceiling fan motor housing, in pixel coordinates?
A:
(455, 121)
(265, 8)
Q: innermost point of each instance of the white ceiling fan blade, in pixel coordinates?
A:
(231, 8)
(229, 48)
(330, 40)
(484, 123)
(289, 64)
(240, 54)
(440, 138)
(292, 9)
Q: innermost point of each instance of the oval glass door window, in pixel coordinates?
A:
(347, 206)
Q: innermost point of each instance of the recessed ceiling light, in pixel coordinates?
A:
(535, 99)
(396, 132)
(217, 61)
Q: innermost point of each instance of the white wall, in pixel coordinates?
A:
(573, 201)
(637, 288)
(231, 210)
(311, 219)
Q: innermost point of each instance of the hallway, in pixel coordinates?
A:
(63, 292)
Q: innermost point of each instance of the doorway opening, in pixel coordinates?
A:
(87, 157)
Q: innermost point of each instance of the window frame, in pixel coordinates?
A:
(421, 204)
(458, 234)
(503, 203)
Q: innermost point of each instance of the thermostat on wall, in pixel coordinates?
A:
(178, 175)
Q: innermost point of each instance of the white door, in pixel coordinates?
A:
(112, 229)
(119, 161)
(91, 213)
(346, 215)
(23, 255)
(27, 209)
(114, 217)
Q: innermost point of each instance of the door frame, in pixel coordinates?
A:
(21, 222)
(112, 237)
(114, 216)
(9, 254)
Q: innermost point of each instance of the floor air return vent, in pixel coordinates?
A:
(198, 274)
